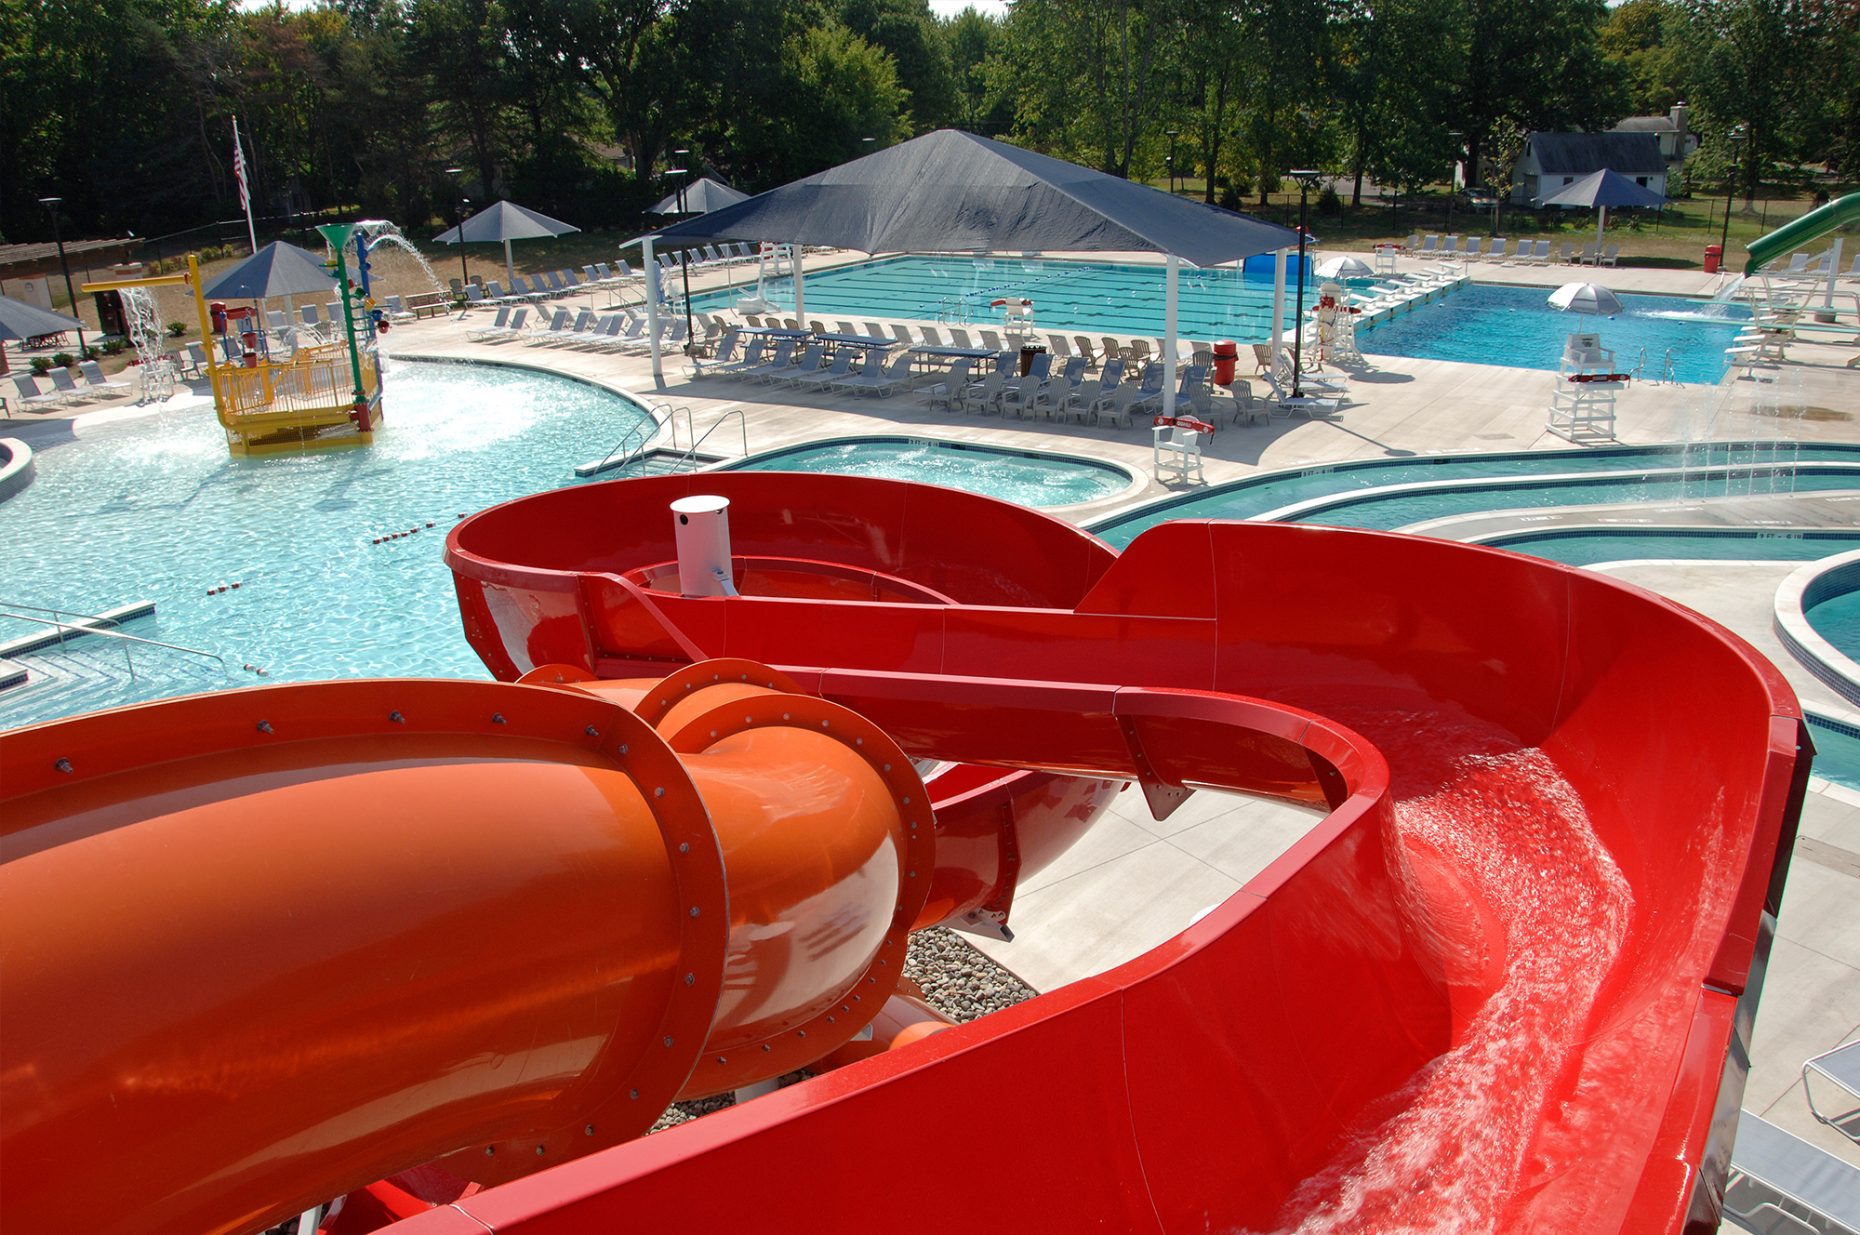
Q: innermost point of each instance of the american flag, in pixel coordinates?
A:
(245, 194)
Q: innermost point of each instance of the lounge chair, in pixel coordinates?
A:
(1059, 399)
(773, 365)
(1113, 350)
(28, 395)
(1246, 406)
(1114, 407)
(990, 339)
(1429, 245)
(1084, 344)
(902, 334)
(751, 359)
(805, 365)
(1310, 398)
(1262, 358)
(1566, 252)
(1610, 255)
(93, 377)
(1019, 395)
(498, 325)
(1041, 365)
(314, 324)
(1414, 241)
(959, 338)
(1139, 351)
(1497, 252)
(1473, 245)
(700, 366)
(547, 333)
(844, 327)
(1587, 256)
(932, 337)
(1448, 247)
(982, 396)
(191, 360)
(947, 392)
(874, 330)
(881, 381)
(1008, 363)
(1057, 345)
(1073, 370)
(832, 375)
(519, 320)
(65, 389)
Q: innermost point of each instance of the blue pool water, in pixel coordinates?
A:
(1254, 496)
(156, 509)
(1837, 751)
(1586, 547)
(1068, 296)
(1490, 324)
(1837, 619)
(1026, 477)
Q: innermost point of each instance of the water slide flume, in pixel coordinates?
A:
(1810, 227)
(270, 945)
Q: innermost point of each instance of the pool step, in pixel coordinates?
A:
(87, 675)
(652, 463)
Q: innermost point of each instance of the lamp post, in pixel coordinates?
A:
(1172, 136)
(459, 203)
(1730, 190)
(1453, 170)
(1305, 179)
(684, 258)
(51, 206)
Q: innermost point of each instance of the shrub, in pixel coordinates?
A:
(176, 329)
(113, 347)
(63, 360)
(41, 366)
(1230, 197)
(1328, 202)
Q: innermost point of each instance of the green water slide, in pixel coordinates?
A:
(1811, 226)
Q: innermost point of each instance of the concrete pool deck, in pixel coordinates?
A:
(1133, 882)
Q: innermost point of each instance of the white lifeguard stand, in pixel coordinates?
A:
(1582, 402)
(1176, 450)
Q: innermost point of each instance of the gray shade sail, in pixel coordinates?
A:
(701, 197)
(1605, 188)
(19, 320)
(954, 192)
(278, 269)
(505, 221)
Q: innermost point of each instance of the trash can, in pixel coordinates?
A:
(1226, 354)
(1714, 257)
(1027, 352)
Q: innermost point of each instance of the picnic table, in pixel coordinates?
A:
(929, 353)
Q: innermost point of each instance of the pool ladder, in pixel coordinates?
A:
(94, 624)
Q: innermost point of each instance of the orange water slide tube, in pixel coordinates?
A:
(268, 946)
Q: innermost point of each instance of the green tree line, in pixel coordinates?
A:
(577, 107)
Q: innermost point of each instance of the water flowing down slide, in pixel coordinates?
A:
(275, 945)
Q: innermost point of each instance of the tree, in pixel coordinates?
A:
(973, 41)
(1533, 61)
(1085, 79)
(1753, 63)
(1639, 42)
(905, 30)
(1395, 68)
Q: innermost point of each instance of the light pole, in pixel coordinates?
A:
(1730, 190)
(51, 206)
(684, 258)
(458, 222)
(1172, 136)
(1452, 175)
(1305, 179)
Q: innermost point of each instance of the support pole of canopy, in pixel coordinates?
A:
(800, 297)
(1601, 225)
(1278, 302)
(1834, 271)
(651, 268)
(1172, 265)
(510, 269)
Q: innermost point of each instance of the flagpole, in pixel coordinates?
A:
(245, 193)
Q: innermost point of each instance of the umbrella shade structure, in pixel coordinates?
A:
(1344, 267)
(19, 320)
(955, 192)
(276, 270)
(701, 196)
(505, 221)
(1585, 298)
(1602, 190)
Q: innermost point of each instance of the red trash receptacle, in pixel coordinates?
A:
(1226, 352)
(1714, 257)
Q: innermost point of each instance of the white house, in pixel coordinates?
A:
(1553, 161)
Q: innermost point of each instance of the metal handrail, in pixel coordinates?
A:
(631, 456)
(690, 456)
(128, 658)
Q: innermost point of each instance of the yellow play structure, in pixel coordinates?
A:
(323, 394)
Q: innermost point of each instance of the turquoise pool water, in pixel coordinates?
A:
(1068, 296)
(1030, 478)
(1837, 619)
(1254, 496)
(1585, 548)
(1495, 325)
(1837, 751)
(155, 509)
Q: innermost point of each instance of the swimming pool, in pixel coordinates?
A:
(1834, 614)
(1256, 495)
(1032, 478)
(1837, 750)
(1485, 323)
(1587, 546)
(1068, 296)
(153, 508)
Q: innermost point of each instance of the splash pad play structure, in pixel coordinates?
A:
(1506, 982)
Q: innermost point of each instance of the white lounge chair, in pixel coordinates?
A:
(93, 376)
(28, 395)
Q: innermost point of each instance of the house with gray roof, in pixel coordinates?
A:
(1673, 130)
(1553, 161)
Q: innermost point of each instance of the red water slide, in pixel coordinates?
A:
(1510, 988)
(268, 946)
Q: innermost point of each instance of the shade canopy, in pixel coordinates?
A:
(278, 269)
(1585, 298)
(505, 221)
(954, 192)
(1344, 267)
(1605, 188)
(19, 320)
(701, 196)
